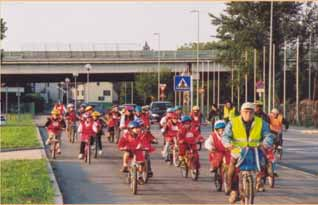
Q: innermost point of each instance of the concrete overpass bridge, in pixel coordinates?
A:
(55, 66)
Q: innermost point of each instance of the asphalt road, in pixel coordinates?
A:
(102, 182)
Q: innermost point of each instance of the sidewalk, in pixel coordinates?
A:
(23, 154)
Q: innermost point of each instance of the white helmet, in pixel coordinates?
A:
(70, 105)
(275, 111)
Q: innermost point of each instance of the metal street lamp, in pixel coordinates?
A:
(67, 81)
(88, 68)
(61, 89)
(198, 44)
(158, 34)
(75, 75)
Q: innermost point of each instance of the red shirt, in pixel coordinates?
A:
(55, 126)
(191, 136)
(87, 130)
(130, 142)
(71, 116)
(145, 117)
(196, 119)
(171, 130)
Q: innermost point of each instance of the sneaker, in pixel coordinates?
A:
(100, 152)
(92, 147)
(150, 174)
(80, 156)
(279, 147)
(141, 180)
(124, 169)
(233, 197)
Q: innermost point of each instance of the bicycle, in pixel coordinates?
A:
(247, 166)
(190, 162)
(53, 147)
(173, 153)
(133, 169)
(220, 176)
(87, 152)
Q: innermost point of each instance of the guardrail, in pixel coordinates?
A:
(147, 55)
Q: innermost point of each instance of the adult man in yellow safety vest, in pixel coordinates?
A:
(242, 131)
(229, 111)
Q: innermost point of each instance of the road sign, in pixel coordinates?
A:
(182, 83)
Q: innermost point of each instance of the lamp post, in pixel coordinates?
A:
(88, 67)
(75, 75)
(198, 44)
(67, 81)
(158, 34)
(61, 91)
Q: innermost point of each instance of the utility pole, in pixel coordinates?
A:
(254, 75)
(285, 58)
(264, 77)
(208, 89)
(246, 91)
(274, 77)
(232, 85)
(297, 81)
(270, 58)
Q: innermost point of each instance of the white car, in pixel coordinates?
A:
(2, 120)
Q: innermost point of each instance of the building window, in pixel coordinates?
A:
(101, 98)
(106, 92)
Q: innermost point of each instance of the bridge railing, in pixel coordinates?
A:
(129, 55)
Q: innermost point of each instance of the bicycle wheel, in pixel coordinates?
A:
(218, 180)
(194, 169)
(96, 147)
(184, 169)
(134, 180)
(88, 154)
(128, 177)
(145, 171)
(248, 189)
(175, 157)
(53, 149)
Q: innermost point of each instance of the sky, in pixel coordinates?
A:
(105, 25)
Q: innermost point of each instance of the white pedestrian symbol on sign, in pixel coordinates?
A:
(182, 84)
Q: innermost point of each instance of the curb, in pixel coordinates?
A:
(19, 149)
(58, 199)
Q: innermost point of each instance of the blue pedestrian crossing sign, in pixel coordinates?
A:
(182, 83)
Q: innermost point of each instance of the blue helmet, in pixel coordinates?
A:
(139, 121)
(133, 124)
(170, 109)
(83, 105)
(185, 118)
(220, 124)
(138, 108)
(178, 107)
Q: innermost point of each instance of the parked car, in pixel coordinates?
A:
(2, 120)
(158, 109)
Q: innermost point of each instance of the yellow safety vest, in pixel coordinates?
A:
(240, 136)
(229, 113)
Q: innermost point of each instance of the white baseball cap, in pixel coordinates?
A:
(275, 111)
(248, 105)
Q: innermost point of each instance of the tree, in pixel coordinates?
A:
(245, 26)
(3, 28)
